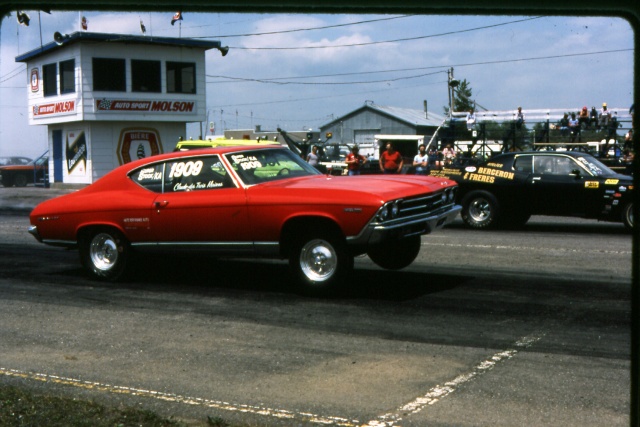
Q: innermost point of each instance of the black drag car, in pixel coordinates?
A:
(507, 189)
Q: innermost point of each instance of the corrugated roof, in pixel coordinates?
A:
(412, 117)
(409, 115)
(117, 38)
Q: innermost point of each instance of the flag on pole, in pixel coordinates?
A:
(143, 28)
(84, 23)
(176, 17)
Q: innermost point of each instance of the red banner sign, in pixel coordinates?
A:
(63, 107)
(145, 105)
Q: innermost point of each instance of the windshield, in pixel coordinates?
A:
(255, 167)
(594, 166)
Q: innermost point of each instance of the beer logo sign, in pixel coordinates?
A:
(138, 143)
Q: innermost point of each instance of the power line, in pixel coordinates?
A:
(389, 41)
(303, 29)
(501, 61)
(335, 83)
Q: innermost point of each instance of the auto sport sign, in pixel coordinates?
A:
(137, 144)
(146, 106)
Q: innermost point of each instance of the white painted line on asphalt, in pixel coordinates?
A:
(390, 419)
(438, 392)
(170, 397)
(528, 248)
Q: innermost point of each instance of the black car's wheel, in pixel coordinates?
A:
(396, 255)
(627, 215)
(20, 180)
(480, 209)
(319, 262)
(104, 253)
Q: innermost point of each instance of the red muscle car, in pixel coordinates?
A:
(248, 202)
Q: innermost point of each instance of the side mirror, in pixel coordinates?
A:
(575, 173)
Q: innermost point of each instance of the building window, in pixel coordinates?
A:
(145, 76)
(109, 75)
(49, 79)
(181, 77)
(68, 76)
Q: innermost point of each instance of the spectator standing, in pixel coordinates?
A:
(391, 160)
(574, 127)
(421, 161)
(628, 139)
(612, 128)
(312, 157)
(564, 125)
(583, 117)
(593, 118)
(354, 161)
(604, 117)
(471, 120)
(519, 118)
(432, 162)
(448, 153)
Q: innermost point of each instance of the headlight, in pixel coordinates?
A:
(388, 211)
(452, 195)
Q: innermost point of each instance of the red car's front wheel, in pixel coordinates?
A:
(319, 263)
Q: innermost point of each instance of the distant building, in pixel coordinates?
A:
(361, 125)
(108, 99)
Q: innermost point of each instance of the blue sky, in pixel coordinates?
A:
(300, 71)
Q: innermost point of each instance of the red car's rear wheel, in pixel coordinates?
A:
(104, 253)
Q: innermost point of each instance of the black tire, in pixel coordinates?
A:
(480, 210)
(104, 252)
(627, 215)
(319, 263)
(396, 255)
(20, 180)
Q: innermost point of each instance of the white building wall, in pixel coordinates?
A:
(125, 130)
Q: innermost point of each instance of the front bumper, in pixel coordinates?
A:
(33, 230)
(375, 233)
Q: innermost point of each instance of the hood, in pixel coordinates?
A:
(385, 187)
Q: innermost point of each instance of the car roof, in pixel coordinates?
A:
(203, 151)
(221, 142)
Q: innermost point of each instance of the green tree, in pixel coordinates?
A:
(462, 98)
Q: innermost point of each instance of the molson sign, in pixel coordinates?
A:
(54, 108)
(145, 106)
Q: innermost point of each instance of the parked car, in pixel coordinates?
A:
(249, 202)
(19, 175)
(508, 188)
(14, 160)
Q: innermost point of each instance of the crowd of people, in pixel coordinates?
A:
(428, 159)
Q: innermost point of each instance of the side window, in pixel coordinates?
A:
(181, 77)
(149, 177)
(49, 79)
(196, 174)
(145, 76)
(68, 76)
(109, 74)
(523, 164)
(554, 165)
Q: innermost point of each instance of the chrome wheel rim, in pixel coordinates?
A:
(480, 210)
(318, 260)
(103, 252)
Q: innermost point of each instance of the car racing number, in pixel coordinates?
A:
(185, 169)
